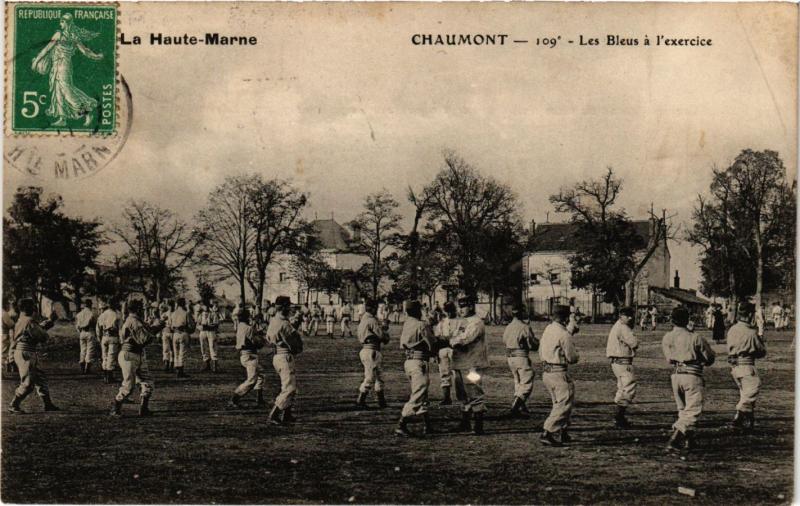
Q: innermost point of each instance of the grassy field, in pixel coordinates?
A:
(193, 450)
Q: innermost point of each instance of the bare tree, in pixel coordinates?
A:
(158, 243)
(376, 226)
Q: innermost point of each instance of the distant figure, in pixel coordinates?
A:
(709, 314)
(718, 325)
(653, 312)
(777, 315)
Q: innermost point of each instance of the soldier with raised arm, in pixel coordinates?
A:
(688, 353)
(557, 352)
(28, 336)
(470, 360)
(744, 347)
(520, 341)
(372, 334)
(249, 340)
(620, 350)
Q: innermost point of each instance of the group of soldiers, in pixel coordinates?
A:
(457, 342)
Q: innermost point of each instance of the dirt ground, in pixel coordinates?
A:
(193, 450)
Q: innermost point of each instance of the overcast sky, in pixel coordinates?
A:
(338, 99)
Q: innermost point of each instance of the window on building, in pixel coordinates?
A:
(555, 278)
(282, 277)
(534, 279)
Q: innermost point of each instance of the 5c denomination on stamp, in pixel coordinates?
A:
(64, 68)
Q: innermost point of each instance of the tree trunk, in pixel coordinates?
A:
(629, 289)
(759, 270)
(241, 287)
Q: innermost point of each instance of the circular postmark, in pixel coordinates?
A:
(69, 156)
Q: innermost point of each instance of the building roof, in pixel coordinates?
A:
(560, 236)
(331, 235)
(683, 296)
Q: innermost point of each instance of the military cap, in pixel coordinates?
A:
(517, 310)
(243, 315)
(26, 305)
(680, 316)
(466, 302)
(561, 312)
(627, 311)
(747, 308)
(135, 306)
(283, 301)
(87, 302)
(413, 308)
(370, 304)
(450, 308)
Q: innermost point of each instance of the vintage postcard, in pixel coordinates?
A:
(399, 253)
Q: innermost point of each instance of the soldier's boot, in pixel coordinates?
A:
(524, 407)
(564, 436)
(361, 402)
(427, 428)
(88, 367)
(206, 365)
(260, 398)
(214, 366)
(83, 367)
(620, 422)
(402, 428)
(166, 365)
(48, 403)
(464, 425)
(234, 402)
(171, 365)
(478, 426)
(181, 374)
(550, 439)
(688, 441)
(144, 407)
(749, 422)
(286, 416)
(446, 400)
(381, 399)
(116, 409)
(517, 408)
(677, 441)
(738, 420)
(275, 417)
(106, 377)
(15, 406)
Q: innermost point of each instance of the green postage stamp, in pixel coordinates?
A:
(63, 68)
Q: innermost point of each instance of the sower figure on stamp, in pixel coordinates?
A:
(28, 336)
(181, 324)
(249, 339)
(85, 323)
(135, 335)
(620, 350)
(688, 353)
(288, 343)
(446, 329)
(744, 347)
(108, 327)
(372, 334)
(557, 352)
(418, 344)
(470, 359)
(209, 325)
(520, 342)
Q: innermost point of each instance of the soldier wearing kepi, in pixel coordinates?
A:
(209, 325)
(85, 323)
(557, 352)
(417, 342)
(744, 347)
(108, 326)
(620, 350)
(372, 334)
(180, 324)
(520, 342)
(688, 353)
(249, 339)
(135, 335)
(166, 337)
(445, 330)
(470, 359)
(288, 343)
(27, 337)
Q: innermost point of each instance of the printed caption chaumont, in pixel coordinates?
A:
(552, 41)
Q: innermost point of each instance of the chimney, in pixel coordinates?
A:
(533, 228)
(356, 233)
(677, 280)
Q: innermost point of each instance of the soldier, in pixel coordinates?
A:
(236, 310)
(620, 350)
(470, 359)
(688, 353)
(371, 334)
(653, 317)
(288, 343)
(557, 351)
(330, 319)
(249, 339)
(27, 337)
(417, 341)
(108, 326)
(316, 316)
(135, 335)
(447, 329)
(744, 347)
(8, 332)
(305, 315)
(181, 325)
(85, 323)
(347, 312)
(209, 325)
(520, 342)
(166, 336)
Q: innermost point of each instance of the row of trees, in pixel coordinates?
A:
(466, 235)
